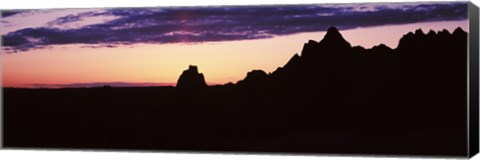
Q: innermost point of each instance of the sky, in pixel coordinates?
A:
(152, 46)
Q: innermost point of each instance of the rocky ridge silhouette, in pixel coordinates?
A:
(191, 79)
(331, 76)
(330, 98)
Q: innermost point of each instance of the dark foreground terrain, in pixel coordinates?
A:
(332, 98)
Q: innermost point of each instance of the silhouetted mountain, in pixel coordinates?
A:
(254, 79)
(333, 39)
(318, 57)
(330, 98)
(191, 79)
(382, 48)
(335, 78)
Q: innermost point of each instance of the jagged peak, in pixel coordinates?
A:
(295, 58)
(419, 32)
(381, 47)
(419, 35)
(409, 34)
(458, 30)
(254, 77)
(444, 31)
(311, 42)
(192, 68)
(333, 30)
(334, 38)
(407, 38)
(431, 33)
(279, 69)
(191, 79)
(256, 72)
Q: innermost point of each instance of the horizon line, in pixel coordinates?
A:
(119, 84)
(113, 84)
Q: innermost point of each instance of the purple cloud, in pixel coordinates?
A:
(9, 13)
(208, 24)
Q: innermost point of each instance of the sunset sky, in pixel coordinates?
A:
(152, 46)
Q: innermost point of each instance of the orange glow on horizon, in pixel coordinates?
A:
(220, 62)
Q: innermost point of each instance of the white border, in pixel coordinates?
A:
(94, 155)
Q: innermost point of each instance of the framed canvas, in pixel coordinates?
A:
(352, 78)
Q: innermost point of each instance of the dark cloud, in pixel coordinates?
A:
(10, 13)
(75, 18)
(207, 24)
